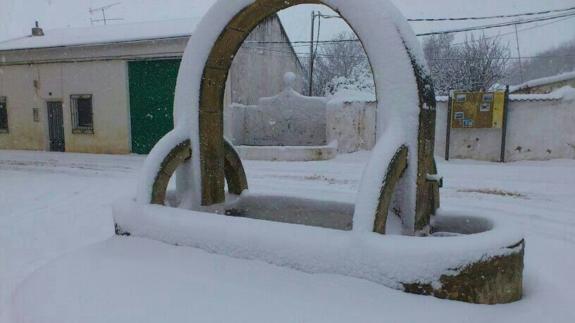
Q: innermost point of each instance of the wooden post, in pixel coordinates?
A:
(504, 125)
(448, 131)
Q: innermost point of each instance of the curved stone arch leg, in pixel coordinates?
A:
(394, 173)
(234, 170)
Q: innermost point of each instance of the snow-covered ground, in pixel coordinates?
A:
(53, 204)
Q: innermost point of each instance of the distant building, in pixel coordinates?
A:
(110, 89)
(545, 85)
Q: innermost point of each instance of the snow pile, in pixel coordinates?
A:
(384, 259)
(359, 86)
(567, 93)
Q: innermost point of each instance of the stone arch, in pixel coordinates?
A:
(406, 105)
(235, 174)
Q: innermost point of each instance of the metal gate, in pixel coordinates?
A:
(56, 126)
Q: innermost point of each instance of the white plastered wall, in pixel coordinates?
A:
(537, 130)
(105, 80)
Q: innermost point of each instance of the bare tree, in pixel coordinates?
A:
(484, 62)
(476, 64)
(443, 71)
(339, 59)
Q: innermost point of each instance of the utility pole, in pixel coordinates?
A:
(311, 54)
(519, 54)
(102, 10)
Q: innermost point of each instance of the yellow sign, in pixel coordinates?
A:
(477, 110)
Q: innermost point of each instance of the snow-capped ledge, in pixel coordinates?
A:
(288, 153)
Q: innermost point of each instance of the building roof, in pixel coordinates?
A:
(107, 34)
(543, 81)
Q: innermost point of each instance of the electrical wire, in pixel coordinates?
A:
(434, 58)
(513, 32)
(481, 27)
(525, 14)
(498, 25)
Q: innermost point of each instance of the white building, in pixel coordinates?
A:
(109, 89)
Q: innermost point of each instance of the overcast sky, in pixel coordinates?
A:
(17, 16)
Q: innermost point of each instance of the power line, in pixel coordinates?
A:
(454, 44)
(315, 54)
(498, 25)
(452, 31)
(328, 42)
(525, 14)
(434, 58)
(520, 30)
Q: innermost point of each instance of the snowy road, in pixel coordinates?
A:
(52, 204)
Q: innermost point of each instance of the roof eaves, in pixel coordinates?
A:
(95, 44)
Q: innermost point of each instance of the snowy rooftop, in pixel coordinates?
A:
(543, 81)
(104, 34)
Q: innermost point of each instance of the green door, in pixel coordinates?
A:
(152, 88)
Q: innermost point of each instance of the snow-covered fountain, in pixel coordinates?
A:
(455, 256)
(285, 127)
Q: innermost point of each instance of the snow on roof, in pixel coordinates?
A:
(105, 34)
(543, 81)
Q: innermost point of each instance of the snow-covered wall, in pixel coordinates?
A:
(537, 130)
(288, 119)
(540, 128)
(291, 119)
(352, 125)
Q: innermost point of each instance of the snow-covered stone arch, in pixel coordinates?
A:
(405, 102)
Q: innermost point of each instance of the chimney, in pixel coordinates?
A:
(37, 31)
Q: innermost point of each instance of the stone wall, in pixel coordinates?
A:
(352, 125)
